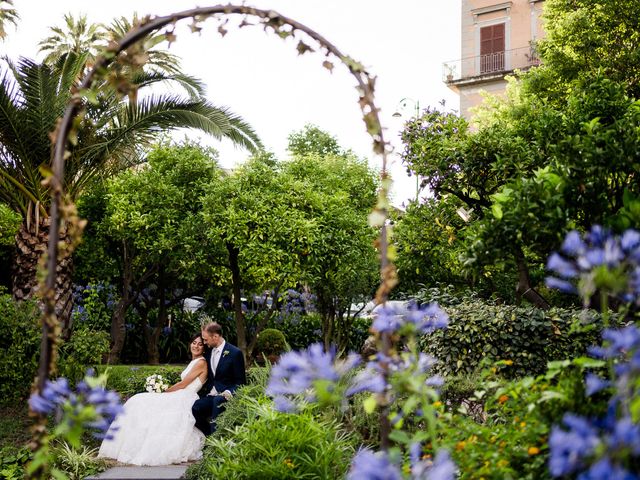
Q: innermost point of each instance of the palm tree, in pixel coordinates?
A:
(78, 37)
(112, 135)
(8, 14)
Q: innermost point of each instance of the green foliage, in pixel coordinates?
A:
(128, 380)
(84, 349)
(9, 224)
(109, 137)
(270, 341)
(300, 331)
(94, 306)
(279, 446)
(19, 347)
(482, 332)
(510, 441)
(312, 140)
(584, 36)
(77, 463)
(241, 408)
(305, 330)
(302, 221)
(427, 245)
(558, 151)
(12, 462)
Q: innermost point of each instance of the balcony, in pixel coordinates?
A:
(488, 67)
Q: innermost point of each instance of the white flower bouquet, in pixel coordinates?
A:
(155, 383)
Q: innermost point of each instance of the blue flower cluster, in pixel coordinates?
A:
(296, 373)
(58, 397)
(604, 448)
(608, 447)
(427, 319)
(368, 465)
(582, 260)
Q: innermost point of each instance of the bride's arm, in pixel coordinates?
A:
(196, 371)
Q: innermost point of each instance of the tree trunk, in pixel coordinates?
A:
(152, 334)
(241, 332)
(31, 244)
(118, 329)
(327, 311)
(524, 288)
(265, 320)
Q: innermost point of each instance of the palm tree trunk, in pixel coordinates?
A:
(31, 244)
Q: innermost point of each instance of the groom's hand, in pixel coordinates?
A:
(227, 395)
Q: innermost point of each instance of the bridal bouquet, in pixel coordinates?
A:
(155, 383)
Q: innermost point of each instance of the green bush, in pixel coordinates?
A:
(479, 331)
(128, 380)
(272, 445)
(84, 349)
(304, 330)
(270, 341)
(300, 331)
(511, 442)
(12, 462)
(19, 347)
(242, 407)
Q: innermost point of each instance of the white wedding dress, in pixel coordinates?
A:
(157, 428)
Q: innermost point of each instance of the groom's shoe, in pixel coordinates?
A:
(212, 427)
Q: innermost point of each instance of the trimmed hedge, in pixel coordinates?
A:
(304, 330)
(271, 341)
(483, 332)
(128, 380)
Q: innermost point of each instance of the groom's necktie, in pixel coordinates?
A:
(215, 357)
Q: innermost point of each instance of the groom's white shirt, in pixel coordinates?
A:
(216, 354)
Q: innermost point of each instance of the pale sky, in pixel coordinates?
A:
(262, 78)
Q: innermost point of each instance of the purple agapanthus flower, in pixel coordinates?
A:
(580, 256)
(625, 434)
(296, 371)
(387, 320)
(604, 469)
(367, 465)
(284, 405)
(594, 384)
(57, 393)
(426, 319)
(368, 380)
(441, 468)
(569, 449)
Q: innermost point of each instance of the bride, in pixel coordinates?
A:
(158, 428)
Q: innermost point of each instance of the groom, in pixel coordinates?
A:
(225, 365)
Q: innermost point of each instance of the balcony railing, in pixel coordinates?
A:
(489, 65)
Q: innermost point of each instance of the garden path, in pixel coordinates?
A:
(131, 472)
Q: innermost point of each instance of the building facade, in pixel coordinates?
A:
(497, 38)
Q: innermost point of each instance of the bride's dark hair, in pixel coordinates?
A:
(196, 335)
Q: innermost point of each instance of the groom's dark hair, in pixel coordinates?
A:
(212, 328)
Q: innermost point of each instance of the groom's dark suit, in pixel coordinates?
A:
(229, 375)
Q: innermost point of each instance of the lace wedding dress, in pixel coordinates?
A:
(157, 428)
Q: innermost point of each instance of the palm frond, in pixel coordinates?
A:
(193, 86)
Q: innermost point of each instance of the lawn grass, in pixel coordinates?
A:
(14, 425)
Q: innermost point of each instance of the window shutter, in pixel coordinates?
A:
(492, 48)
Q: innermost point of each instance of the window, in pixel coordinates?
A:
(492, 48)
